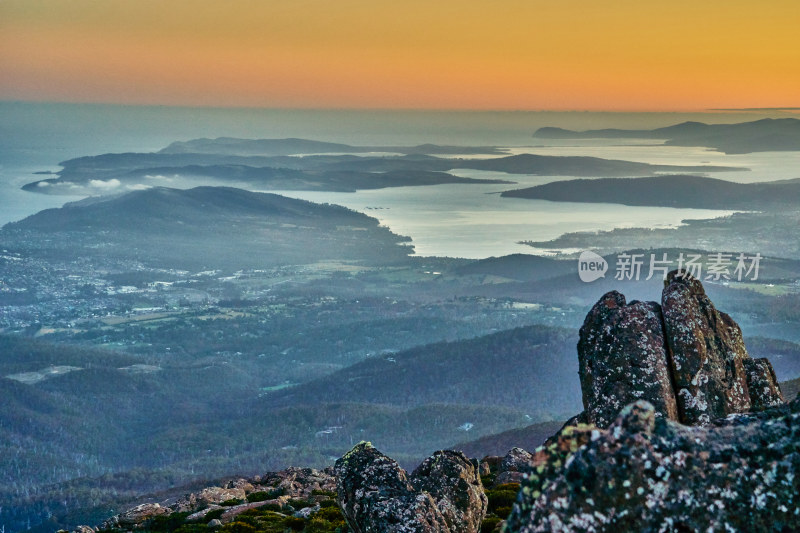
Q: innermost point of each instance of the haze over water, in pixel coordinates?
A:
(454, 220)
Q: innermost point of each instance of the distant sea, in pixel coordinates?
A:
(454, 220)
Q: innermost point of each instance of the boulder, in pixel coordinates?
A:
(649, 473)
(135, 517)
(622, 356)
(444, 494)
(455, 485)
(306, 512)
(213, 495)
(301, 482)
(513, 466)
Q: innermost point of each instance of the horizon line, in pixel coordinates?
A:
(398, 109)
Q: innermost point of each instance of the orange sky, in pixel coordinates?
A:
(465, 54)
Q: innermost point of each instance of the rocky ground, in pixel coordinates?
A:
(681, 431)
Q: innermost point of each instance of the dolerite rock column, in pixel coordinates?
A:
(707, 353)
(623, 357)
(443, 495)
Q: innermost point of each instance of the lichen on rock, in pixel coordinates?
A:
(648, 473)
(444, 494)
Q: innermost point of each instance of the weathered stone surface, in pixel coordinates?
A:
(623, 357)
(515, 463)
(211, 495)
(135, 517)
(444, 493)
(232, 512)
(707, 353)
(306, 512)
(375, 495)
(301, 482)
(762, 385)
(292, 483)
(455, 485)
(648, 473)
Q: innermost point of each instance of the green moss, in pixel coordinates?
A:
(294, 523)
(239, 527)
(503, 512)
(231, 502)
(300, 504)
(501, 499)
(166, 523)
(215, 513)
(489, 524)
(192, 528)
(263, 495)
(332, 514)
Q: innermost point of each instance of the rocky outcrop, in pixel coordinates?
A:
(300, 482)
(684, 357)
(705, 442)
(132, 518)
(454, 482)
(707, 351)
(513, 466)
(648, 473)
(622, 355)
(274, 490)
(444, 494)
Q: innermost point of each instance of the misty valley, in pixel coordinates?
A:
(194, 316)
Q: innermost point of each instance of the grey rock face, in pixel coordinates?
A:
(648, 473)
(135, 517)
(707, 353)
(444, 494)
(684, 357)
(762, 384)
(513, 466)
(623, 357)
(455, 485)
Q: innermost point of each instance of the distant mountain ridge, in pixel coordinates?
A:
(269, 165)
(516, 368)
(178, 227)
(294, 146)
(764, 135)
(669, 191)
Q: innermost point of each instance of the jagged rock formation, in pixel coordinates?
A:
(648, 473)
(684, 357)
(707, 353)
(674, 459)
(444, 494)
(623, 357)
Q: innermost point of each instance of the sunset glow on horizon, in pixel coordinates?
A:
(470, 54)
